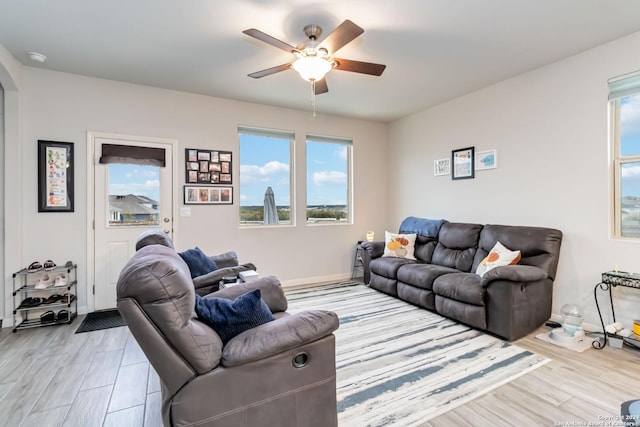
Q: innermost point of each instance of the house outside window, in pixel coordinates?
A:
(266, 182)
(624, 96)
(329, 186)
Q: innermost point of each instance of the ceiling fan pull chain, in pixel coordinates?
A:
(313, 96)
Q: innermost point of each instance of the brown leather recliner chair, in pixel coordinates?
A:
(281, 373)
(228, 264)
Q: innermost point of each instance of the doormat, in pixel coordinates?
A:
(104, 319)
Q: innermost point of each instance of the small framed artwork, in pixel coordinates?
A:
(55, 176)
(486, 160)
(198, 195)
(462, 166)
(442, 167)
(208, 167)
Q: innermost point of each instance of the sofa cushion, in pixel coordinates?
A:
(399, 245)
(422, 275)
(232, 317)
(463, 287)
(538, 246)
(388, 266)
(199, 264)
(457, 243)
(498, 256)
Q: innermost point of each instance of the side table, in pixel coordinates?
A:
(611, 279)
(358, 263)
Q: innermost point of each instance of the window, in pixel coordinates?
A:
(265, 176)
(134, 195)
(624, 95)
(328, 180)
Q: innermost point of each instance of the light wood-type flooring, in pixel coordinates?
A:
(53, 377)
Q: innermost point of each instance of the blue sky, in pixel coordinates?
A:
(265, 162)
(134, 179)
(630, 144)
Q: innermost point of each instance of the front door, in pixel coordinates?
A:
(129, 198)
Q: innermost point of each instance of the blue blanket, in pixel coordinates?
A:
(422, 226)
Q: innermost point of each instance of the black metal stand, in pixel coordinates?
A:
(609, 280)
(598, 344)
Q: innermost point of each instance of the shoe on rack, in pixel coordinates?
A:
(30, 302)
(49, 265)
(68, 298)
(61, 280)
(44, 282)
(62, 316)
(52, 299)
(47, 317)
(34, 266)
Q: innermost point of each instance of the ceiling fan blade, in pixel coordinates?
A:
(359, 67)
(343, 34)
(269, 71)
(321, 86)
(264, 37)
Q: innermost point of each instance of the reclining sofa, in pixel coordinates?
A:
(508, 301)
(281, 373)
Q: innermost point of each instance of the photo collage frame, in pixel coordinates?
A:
(208, 175)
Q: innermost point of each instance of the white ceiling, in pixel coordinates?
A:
(435, 50)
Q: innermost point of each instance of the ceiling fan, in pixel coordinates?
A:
(313, 59)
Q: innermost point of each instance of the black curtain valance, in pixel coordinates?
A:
(145, 156)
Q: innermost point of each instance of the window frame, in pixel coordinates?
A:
(631, 87)
(348, 143)
(277, 134)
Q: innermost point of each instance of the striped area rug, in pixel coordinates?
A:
(400, 365)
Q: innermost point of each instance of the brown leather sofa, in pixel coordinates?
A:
(509, 301)
(281, 373)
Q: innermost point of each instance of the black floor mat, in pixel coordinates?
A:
(104, 319)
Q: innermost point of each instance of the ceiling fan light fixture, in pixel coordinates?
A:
(312, 68)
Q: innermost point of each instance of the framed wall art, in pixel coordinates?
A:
(55, 176)
(486, 160)
(208, 166)
(462, 166)
(201, 195)
(442, 167)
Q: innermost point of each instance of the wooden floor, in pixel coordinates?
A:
(54, 377)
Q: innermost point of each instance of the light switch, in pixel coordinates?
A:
(185, 211)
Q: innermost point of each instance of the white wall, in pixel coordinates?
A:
(550, 129)
(63, 107)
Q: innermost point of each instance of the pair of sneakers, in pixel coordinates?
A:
(46, 281)
(36, 266)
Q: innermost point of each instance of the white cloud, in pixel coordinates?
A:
(341, 153)
(329, 178)
(631, 172)
(254, 174)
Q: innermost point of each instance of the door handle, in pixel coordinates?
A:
(166, 220)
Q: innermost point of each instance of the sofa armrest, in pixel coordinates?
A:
(280, 335)
(227, 259)
(374, 249)
(514, 273)
(209, 282)
(270, 288)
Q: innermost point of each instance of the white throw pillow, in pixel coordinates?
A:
(399, 245)
(498, 256)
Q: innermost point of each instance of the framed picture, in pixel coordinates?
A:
(486, 160)
(55, 176)
(442, 167)
(198, 195)
(462, 166)
(208, 167)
